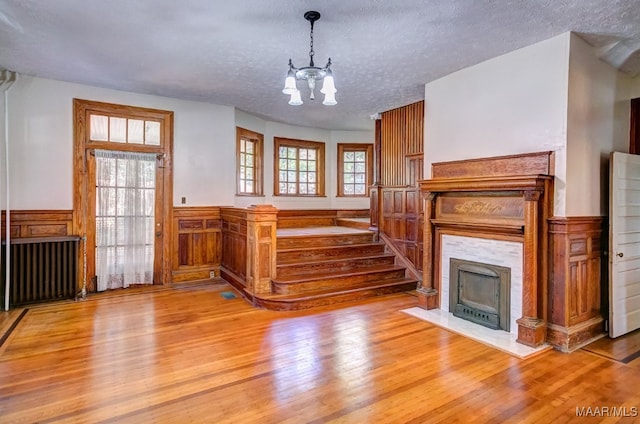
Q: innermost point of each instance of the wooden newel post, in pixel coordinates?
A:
(261, 247)
(427, 293)
(531, 328)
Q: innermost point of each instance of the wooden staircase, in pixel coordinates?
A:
(324, 265)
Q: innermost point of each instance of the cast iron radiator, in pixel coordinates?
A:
(42, 269)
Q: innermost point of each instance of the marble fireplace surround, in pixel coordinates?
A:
(487, 210)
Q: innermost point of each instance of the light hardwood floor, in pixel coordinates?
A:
(189, 355)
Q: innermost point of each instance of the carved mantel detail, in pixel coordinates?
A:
(477, 208)
(503, 207)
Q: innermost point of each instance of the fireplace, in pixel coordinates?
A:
(480, 293)
(502, 199)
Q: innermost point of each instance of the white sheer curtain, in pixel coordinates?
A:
(125, 199)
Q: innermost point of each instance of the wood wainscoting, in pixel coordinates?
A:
(295, 218)
(234, 247)
(577, 281)
(39, 223)
(197, 243)
(402, 221)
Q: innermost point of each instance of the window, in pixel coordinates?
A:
(298, 167)
(249, 153)
(355, 169)
(116, 129)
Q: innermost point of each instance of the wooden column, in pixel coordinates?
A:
(531, 328)
(427, 294)
(261, 247)
(374, 190)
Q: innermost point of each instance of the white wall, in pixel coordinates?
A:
(511, 104)
(41, 143)
(330, 138)
(597, 124)
(41, 148)
(554, 95)
(635, 87)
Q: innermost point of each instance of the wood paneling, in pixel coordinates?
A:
(541, 163)
(577, 280)
(402, 135)
(234, 246)
(197, 243)
(294, 218)
(400, 214)
(402, 220)
(39, 223)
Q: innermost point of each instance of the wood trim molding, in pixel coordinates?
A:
(634, 127)
(319, 146)
(367, 148)
(540, 163)
(258, 168)
(39, 223)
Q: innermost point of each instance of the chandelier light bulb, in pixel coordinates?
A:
(290, 82)
(329, 98)
(328, 85)
(295, 99)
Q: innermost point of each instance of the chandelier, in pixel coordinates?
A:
(311, 74)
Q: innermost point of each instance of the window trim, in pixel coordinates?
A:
(319, 146)
(259, 160)
(355, 147)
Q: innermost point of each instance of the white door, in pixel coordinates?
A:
(624, 247)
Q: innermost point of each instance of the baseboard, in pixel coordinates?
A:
(569, 339)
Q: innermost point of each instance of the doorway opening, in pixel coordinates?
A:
(123, 193)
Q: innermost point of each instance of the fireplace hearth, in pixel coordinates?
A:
(480, 293)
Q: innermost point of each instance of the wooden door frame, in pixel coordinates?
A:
(83, 147)
(634, 127)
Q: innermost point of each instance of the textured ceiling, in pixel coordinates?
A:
(235, 52)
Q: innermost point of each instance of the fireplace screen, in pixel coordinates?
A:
(480, 293)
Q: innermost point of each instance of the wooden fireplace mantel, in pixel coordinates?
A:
(492, 183)
(496, 207)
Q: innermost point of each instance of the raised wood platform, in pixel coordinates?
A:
(324, 265)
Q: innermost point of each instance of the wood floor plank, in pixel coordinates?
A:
(189, 355)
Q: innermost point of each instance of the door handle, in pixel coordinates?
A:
(620, 254)
(158, 234)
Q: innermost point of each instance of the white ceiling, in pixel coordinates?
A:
(236, 52)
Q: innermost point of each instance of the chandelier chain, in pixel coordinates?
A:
(311, 53)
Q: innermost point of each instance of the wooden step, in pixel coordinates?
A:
(318, 240)
(319, 253)
(361, 223)
(310, 299)
(343, 263)
(338, 281)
